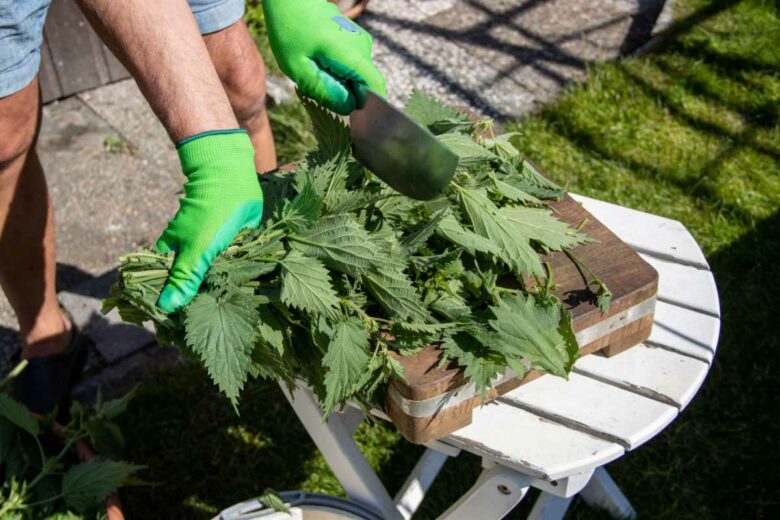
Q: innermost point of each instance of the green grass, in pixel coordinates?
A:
(692, 132)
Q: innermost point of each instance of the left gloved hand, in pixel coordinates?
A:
(222, 196)
(324, 53)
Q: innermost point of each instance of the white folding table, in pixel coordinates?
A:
(552, 434)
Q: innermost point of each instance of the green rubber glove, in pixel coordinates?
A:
(324, 53)
(221, 197)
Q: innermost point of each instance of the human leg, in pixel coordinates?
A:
(241, 71)
(27, 250)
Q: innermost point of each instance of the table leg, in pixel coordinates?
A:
(497, 491)
(419, 482)
(602, 493)
(334, 440)
(549, 507)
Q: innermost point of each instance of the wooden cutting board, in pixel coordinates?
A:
(435, 401)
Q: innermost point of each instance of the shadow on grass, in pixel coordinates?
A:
(204, 456)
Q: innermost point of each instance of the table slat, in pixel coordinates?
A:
(683, 330)
(595, 407)
(686, 286)
(533, 445)
(654, 372)
(657, 236)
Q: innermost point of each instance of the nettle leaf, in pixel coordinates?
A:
(340, 242)
(428, 111)
(17, 414)
(222, 331)
(525, 329)
(330, 131)
(271, 328)
(514, 250)
(346, 360)
(115, 407)
(303, 211)
(480, 365)
(452, 307)
(539, 225)
(329, 179)
(415, 239)
(273, 501)
(514, 193)
(470, 154)
(238, 271)
(86, 485)
(306, 285)
(453, 231)
(394, 291)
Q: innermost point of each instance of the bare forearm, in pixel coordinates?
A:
(159, 43)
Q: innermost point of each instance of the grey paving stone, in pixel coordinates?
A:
(105, 203)
(114, 339)
(122, 106)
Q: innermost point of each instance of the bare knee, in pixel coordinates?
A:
(19, 120)
(245, 86)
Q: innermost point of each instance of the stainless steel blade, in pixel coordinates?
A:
(399, 151)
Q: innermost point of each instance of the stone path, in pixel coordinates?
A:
(501, 58)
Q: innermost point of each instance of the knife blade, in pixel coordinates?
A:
(402, 153)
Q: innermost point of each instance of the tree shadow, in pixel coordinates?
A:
(543, 53)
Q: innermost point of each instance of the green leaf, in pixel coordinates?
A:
(453, 231)
(452, 307)
(394, 291)
(303, 211)
(271, 328)
(222, 332)
(273, 501)
(525, 329)
(17, 414)
(508, 191)
(115, 407)
(539, 225)
(417, 238)
(340, 242)
(346, 359)
(566, 329)
(306, 285)
(514, 250)
(238, 271)
(329, 179)
(330, 131)
(469, 153)
(105, 437)
(480, 366)
(87, 484)
(428, 111)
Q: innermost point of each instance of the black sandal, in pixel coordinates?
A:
(46, 381)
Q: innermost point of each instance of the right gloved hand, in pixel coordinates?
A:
(324, 53)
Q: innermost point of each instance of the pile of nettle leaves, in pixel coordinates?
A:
(345, 274)
(40, 475)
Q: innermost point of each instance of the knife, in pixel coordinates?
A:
(402, 153)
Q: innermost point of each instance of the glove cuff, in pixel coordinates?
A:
(223, 152)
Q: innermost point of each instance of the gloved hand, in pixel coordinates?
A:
(221, 196)
(324, 53)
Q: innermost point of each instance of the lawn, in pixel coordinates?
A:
(690, 131)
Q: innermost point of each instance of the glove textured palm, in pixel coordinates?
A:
(325, 54)
(221, 197)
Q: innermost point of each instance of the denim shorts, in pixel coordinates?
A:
(21, 34)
